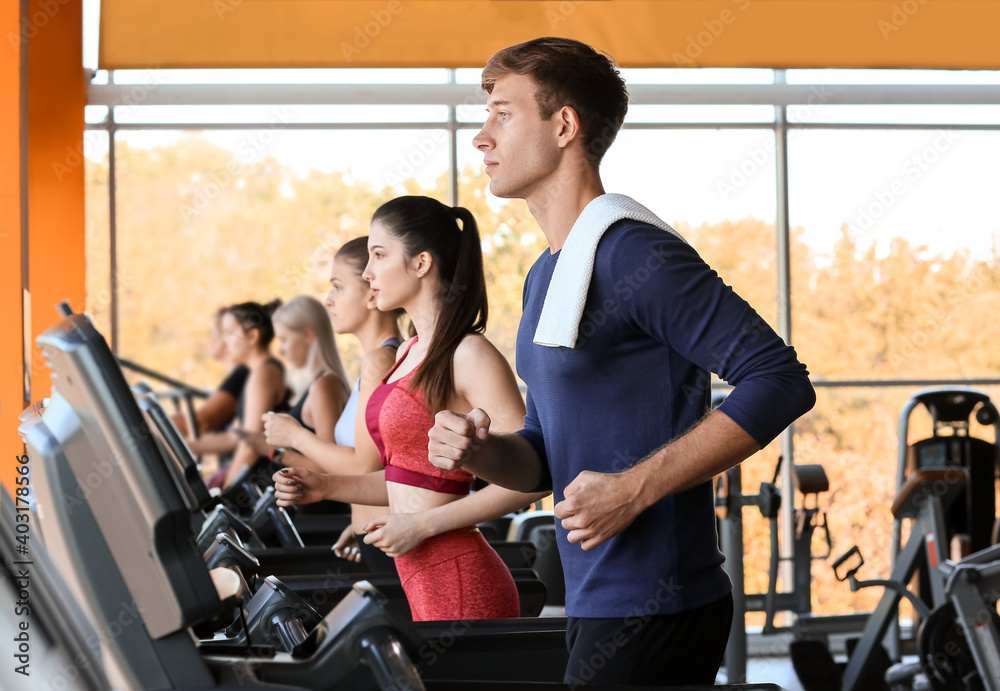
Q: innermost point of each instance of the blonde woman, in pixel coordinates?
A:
(306, 342)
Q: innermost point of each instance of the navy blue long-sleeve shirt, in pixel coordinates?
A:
(657, 320)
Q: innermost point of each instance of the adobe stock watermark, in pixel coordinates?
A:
(563, 12)
(422, 150)
(100, 300)
(749, 333)
(102, 469)
(252, 659)
(247, 152)
(74, 156)
(936, 324)
(900, 14)
(625, 460)
(698, 43)
(625, 289)
(432, 648)
(370, 30)
(757, 157)
(632, 625)
(67, 675)
(224, 7)
(320, 256)
(30, 26)
(913, 169)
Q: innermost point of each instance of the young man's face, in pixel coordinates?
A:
(519, 148)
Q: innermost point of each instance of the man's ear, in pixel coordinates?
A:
(568, 126)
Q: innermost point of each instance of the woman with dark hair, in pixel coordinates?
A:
(248, 332)
(426, 258)
(219, 409)
(351, 452)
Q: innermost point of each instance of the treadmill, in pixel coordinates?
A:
(129, 544)
(315, 573)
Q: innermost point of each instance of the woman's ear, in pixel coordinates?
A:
(422, 264)
(253, 337)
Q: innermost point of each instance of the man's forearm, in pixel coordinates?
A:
(713, 446)
(598, 506)
(507, 460)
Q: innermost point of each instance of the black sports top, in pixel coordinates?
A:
(296, 411)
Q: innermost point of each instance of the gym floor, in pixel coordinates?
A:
(770, 670)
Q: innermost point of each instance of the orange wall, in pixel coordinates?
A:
(55, 183)
(11, 370)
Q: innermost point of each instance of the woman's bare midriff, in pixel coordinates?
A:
(362, 514)
(409, 499)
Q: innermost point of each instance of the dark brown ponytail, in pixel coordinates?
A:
(451, 236)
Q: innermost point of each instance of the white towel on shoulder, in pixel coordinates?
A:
(559, 323)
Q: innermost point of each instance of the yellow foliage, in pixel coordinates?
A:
(193, 237)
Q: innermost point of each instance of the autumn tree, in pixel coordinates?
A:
(196, 232)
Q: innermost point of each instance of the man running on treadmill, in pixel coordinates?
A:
(618, 422)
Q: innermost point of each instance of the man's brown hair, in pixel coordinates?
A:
(569, 73)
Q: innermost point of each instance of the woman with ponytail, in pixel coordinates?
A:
(248, 332)
(426, 258)
(350, 451)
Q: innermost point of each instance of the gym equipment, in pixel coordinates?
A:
(538, 528)
(967, 622)
(970, 522)
(358, 645)
(75, 350)
(255, 517)
(810, 480)
(928, 494)
(335, 575)
(266, 521)
(946, 487)
(971, 517)
(132, 535)
(959, 637)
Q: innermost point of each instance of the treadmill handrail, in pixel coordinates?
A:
(170, 381)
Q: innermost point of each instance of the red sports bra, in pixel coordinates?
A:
(398, 420)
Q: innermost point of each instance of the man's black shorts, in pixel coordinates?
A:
(665, 650)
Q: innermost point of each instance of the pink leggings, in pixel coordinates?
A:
(457, 575)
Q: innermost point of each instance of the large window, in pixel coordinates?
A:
(877, 218)
(210, 218)
(895, 271)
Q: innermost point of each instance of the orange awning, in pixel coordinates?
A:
(952, 34)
